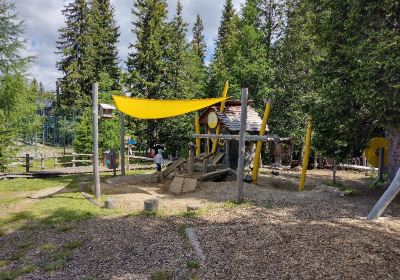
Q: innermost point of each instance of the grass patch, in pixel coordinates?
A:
(18, 255)
(3, 263)
(62, 255)
(144, 213)
(56, 265)
(25, 245)
(161, 275)
(72, 244)
(17, 272)
(48, 247)
(64, 228)
(235, 204)
(192, 264)
(23, 184)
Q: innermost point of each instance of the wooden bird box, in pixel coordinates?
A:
(106, 110)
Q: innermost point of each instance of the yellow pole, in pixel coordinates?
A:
(259, 143)
(197, 127)
(221, 110)
(306, 156)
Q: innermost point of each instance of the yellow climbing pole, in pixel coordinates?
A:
(306, 156)
(221, 110)
(259, 143)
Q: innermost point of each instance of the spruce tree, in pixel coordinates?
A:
(198, 43)
(72, 46)
(146, 63)
(103, 33)
(226, 53)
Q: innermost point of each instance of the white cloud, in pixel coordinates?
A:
(43, 18)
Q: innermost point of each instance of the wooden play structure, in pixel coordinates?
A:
(233, 134)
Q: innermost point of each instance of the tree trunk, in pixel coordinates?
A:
(393, 137)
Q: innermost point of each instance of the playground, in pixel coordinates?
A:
(319, 233)
(217, 214)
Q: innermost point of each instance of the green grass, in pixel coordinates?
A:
(55, 265)
(61, 255)
(17, 272)
(48, 247)
(3, 263)
(235, 204)
(23, 184)
(161, 275)
(192, 264)
(72, 244)
(60, 210)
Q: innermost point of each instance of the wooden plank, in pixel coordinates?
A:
(171, 168)
(214, 175)
(217, 158)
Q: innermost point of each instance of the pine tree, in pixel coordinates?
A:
(198, 43)
(226, 53)
(146, 63)
(72, 46)
(18, 105)
(103, 33)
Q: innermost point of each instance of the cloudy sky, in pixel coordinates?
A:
(43, 18)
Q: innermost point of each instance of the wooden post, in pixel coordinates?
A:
(242, 145)
(42, 161)
(227, 164)
(73, 160)
(334, 168)
(122, 141)
(191, 161)
(364, 160)
(128, 164)
(27, 159)
(197, 129)
(95, 89)
(315, 159)
(260, 143)
(55, 161)
(306, 156)
(386, 198)
(381, 165)
(113, 158)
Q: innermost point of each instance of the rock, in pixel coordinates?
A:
(192, 208)
(110, 203)
(151, 205)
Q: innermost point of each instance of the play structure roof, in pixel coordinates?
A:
(230, 119)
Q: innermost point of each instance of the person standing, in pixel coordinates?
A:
(159, 161)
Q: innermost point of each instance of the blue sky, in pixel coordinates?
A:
(43, 18)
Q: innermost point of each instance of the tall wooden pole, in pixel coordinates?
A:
(122, 141)
(306, 156)
(221, 109)
(259, 143)
(197, 129)
(96, 173)
(242, 145)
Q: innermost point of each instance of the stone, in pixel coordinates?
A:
(110, 203)
(151, 205)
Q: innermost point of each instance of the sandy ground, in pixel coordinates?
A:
(277, 234)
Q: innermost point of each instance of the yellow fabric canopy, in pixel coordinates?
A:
(159, 108)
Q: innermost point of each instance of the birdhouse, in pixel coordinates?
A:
(106, 110)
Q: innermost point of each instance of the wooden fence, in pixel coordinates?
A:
(42, 161)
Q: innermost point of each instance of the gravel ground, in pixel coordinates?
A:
(278, 234)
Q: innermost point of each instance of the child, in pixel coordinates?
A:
(159, 160)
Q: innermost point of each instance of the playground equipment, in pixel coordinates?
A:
(376, 153)
(306, 156)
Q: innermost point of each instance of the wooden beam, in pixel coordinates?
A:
(242, 145)
(96, 141)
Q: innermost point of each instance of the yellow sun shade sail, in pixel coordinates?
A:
(160, 108)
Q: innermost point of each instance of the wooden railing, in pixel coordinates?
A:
(40, 162)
